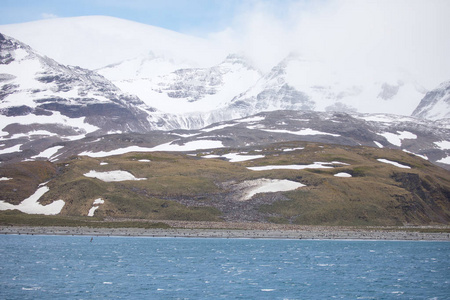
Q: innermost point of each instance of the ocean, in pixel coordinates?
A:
(76, 267)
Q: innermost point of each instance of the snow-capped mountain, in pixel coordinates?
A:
(44, 100)
(94, 42)
(177, 73)
(300, 84)
(185, 90)
(47, 105)
(436, 103)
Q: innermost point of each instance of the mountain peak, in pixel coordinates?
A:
(436, 103)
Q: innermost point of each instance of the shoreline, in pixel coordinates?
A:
(309, 233)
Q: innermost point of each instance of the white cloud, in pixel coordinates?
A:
(362, 37)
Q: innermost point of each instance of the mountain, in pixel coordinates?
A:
(94, 42)
(152, 63)
(43, 101)
(300, 84)
(185, 90)
(44, 105)
(436, 103)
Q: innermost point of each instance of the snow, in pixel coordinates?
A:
(378, 144)
(443, 145)
(229, 81)
(15, 148)
(235, 157)
(377, 118)
(99, 201)
(31, 133)
(112, 176)
(396, 138)
(293, 149)
(32, 206)
(55, 118)
(343, 174)
(254, 187)
(217, 127)
(92, 211)
(95, 206)
(5, 178)
(48, 153)
(419, 155)
(251, 119)
(383, 160)
(315, 165)
(445, 160)
(144, 160)
(307, 131)
(189, 146)
(103, 163)
(185, 135)
(84, 41)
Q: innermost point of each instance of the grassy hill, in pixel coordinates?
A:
(178, 186)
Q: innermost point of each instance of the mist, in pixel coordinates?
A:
(356, 39)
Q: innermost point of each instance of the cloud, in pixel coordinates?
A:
(48, 16)
(361, 37)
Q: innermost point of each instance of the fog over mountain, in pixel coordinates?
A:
(371, 52)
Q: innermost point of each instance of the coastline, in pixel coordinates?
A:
(304, 232)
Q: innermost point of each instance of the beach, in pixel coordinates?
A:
(270, 232)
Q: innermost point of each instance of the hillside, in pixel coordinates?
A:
(317, 184)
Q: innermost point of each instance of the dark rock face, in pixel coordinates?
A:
(6, 46)
(16, 111)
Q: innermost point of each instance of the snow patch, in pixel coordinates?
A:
(378, 144)
(315, 165)
(253, 187)
(217, 127)
(307, 131)
(95, 206)
(189, 146)
(397, 138)
(251, 119)
(15, 148)
(144, 160)
(48, 153)
(443, 145)
(394, 163)
(293, 149)
(445, 160)
(235, 157)
(4, 178)
(31, 205)
(419, 155)
(112, 176)
(343, 174)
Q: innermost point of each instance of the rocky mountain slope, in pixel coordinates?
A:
(154, 71)
(436, 103)
(47, 93)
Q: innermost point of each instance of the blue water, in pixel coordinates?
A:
(67, 267)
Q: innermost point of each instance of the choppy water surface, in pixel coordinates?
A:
(45, 267)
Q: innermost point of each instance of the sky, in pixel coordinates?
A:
(361, 36)
(177, 15)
